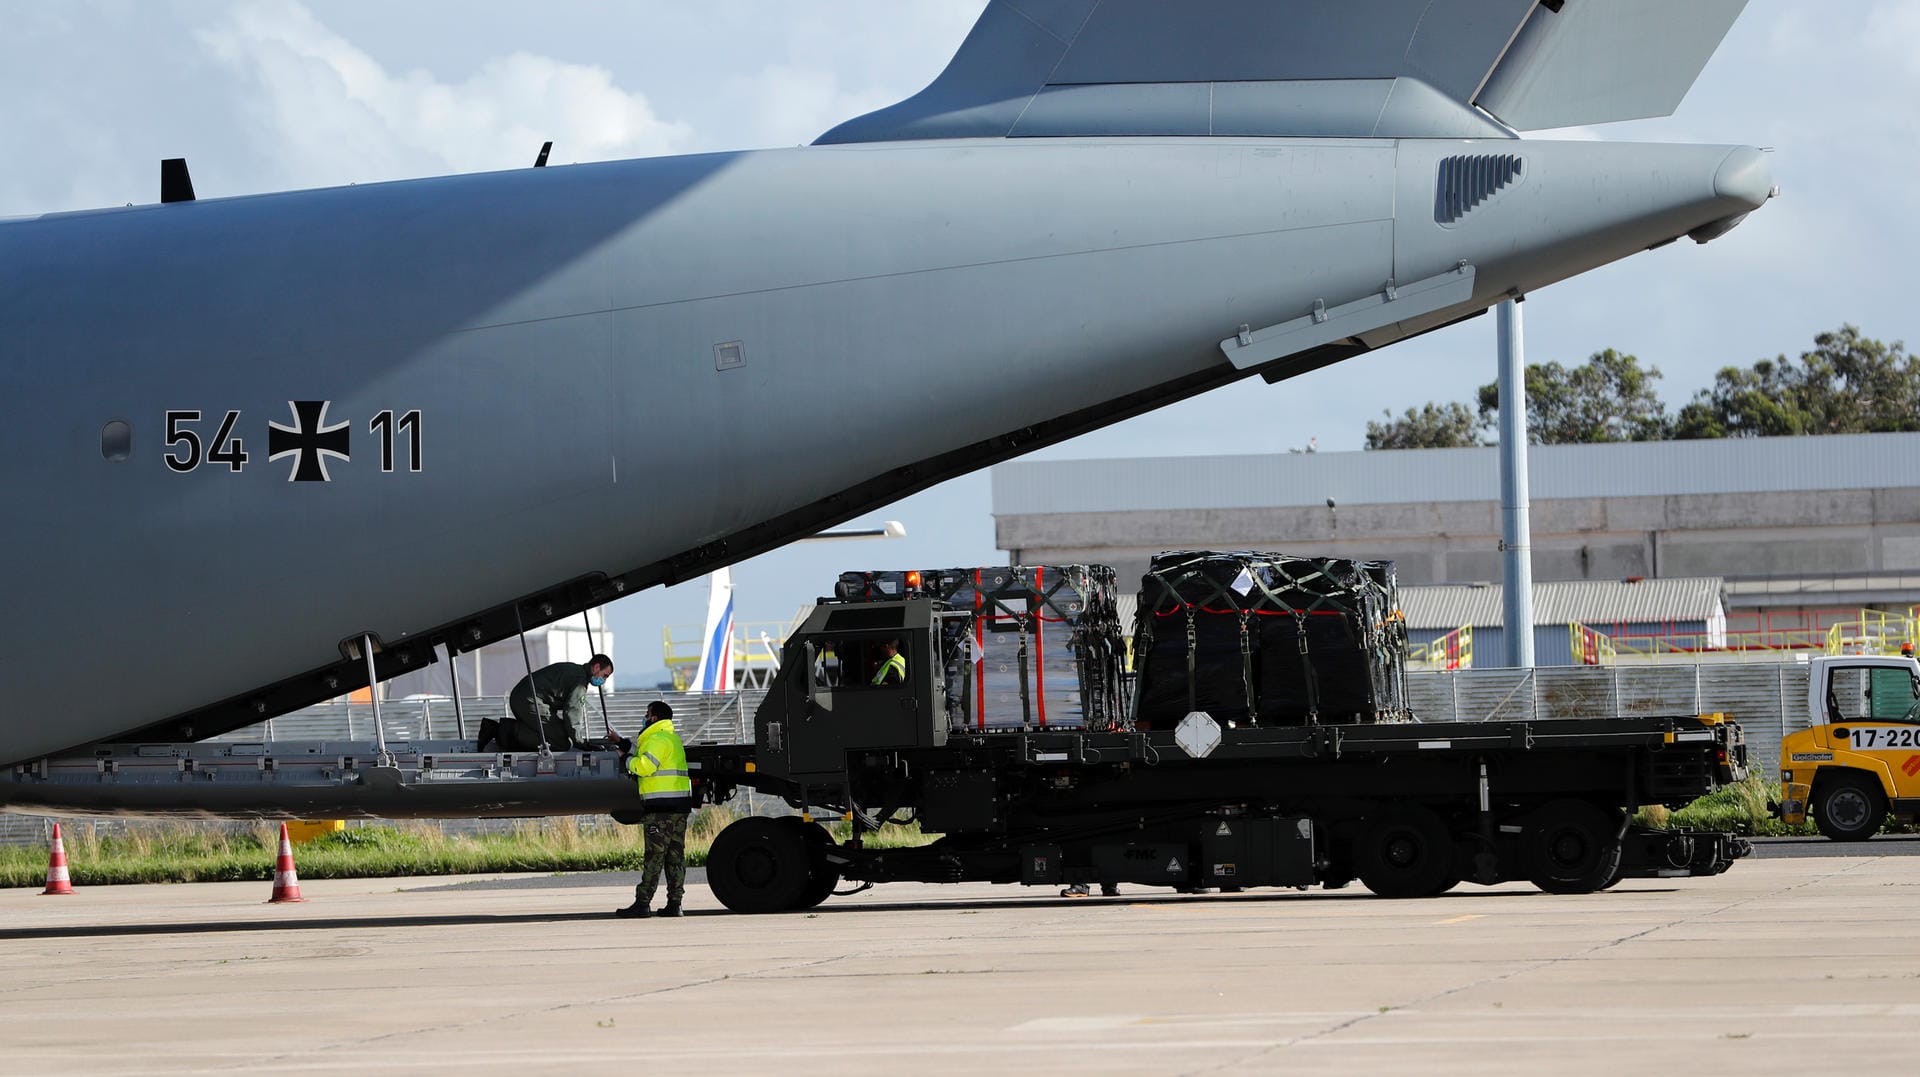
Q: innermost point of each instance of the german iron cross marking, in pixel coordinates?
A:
(310, 440)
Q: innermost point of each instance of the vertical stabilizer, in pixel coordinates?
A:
(716, 650)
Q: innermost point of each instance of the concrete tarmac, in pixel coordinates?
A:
(1794, 965)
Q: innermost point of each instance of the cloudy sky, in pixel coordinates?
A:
(265, 95)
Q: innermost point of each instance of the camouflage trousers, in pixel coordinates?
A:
(666, 836)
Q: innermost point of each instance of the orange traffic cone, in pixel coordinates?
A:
(57, 880)
(286, 883)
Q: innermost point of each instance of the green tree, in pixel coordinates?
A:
(1609, 398)
(1848, 384)
(1431, 426)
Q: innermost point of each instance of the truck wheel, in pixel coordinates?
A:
(1849, 807)
(1619, 873)
(1406, 852)
(758, 865)
(1572, 847)
(821, 876)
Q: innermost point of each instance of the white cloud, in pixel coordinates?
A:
(1892, 29)
(330, 113)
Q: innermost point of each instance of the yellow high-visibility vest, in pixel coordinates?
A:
(896, 664)
(660, 762)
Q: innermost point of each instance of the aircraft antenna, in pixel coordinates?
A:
(545, 148)
(176, 185)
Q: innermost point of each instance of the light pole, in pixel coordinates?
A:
(1516, 530)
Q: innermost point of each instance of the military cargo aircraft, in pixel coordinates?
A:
(247, 441)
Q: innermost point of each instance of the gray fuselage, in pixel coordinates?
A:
(617, 365)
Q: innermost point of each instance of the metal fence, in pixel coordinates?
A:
(1767, 700)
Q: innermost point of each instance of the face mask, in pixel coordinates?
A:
(596, 681)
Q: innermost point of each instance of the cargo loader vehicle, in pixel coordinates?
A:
(1175, 795)
(1859, 763)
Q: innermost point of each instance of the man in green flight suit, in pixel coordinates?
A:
(659, 760)
(555, 695)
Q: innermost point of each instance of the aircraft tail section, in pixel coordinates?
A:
(716, 652)
(1311, 68)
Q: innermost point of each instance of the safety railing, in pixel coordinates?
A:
(1871, 632)
(756, 650)
(1451, 651)
(1874, 632)
(1590, 648)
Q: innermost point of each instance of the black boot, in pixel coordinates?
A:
(672, 908)
(636, 911)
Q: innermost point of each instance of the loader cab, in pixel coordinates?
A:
(1859, 757)
(1863, 688)
(825, 701)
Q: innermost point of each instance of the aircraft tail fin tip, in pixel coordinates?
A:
(1392, 68)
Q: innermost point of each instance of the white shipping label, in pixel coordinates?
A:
(1243, 582)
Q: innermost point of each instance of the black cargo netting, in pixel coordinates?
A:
(1026, 647)
(1269, 639)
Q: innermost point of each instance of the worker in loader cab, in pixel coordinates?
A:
(659, 760)
(555, 697)
(893, 665)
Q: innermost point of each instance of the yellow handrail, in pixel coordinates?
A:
(682, 645)
(1867, 632)
(1590, 648)
(1874, 632)
(1451, 651)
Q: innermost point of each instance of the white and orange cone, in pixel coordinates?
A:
(286, 882)
(58, 881)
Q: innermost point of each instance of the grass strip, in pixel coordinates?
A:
(195, 852)
(1741, 808)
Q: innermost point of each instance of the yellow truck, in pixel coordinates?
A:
(1860, 760)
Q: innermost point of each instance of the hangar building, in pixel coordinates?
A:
(1810, 535)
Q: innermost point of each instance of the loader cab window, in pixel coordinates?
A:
(1893, 695)
(1867, 693)
(865, 663)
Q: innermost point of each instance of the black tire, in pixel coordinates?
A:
(1572, 846)
(758, 865)
(1405, 852)
(1849, 807)
(822, 878)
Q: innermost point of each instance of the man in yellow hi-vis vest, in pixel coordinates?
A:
(893, 665)
(659, 760)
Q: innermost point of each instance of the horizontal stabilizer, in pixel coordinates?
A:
(1597, 61)
(1318, 68)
